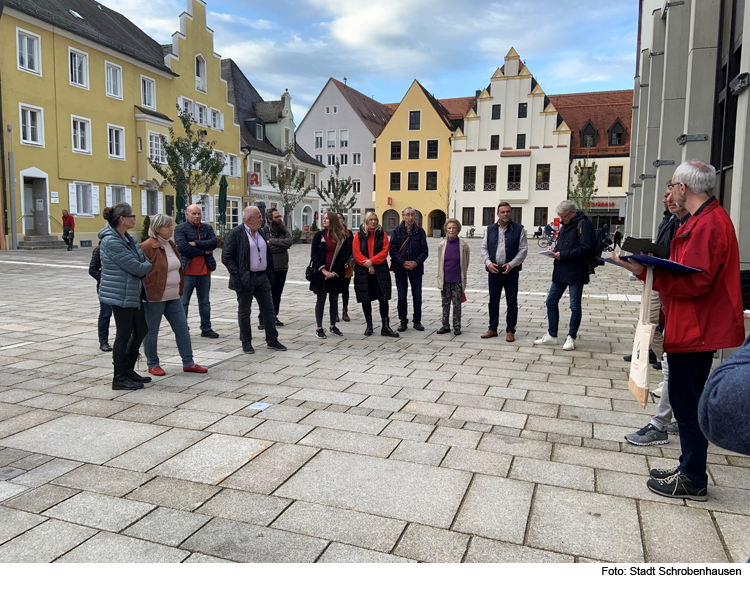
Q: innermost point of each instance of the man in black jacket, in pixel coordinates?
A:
(279, 240)
(408, 250)
(575, 245)
(249, 260)
(105, 310)
(196, 242)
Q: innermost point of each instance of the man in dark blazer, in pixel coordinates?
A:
(408, 250)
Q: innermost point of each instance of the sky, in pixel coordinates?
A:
(381, 46)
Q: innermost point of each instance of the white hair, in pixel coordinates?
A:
(158, 221)
(248, 210)
(697, 176)
(565, 206)
(407, 209)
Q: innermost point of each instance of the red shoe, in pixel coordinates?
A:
(157, 371)
(195, 369)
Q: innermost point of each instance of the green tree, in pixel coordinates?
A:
(585, 188)
(191, 160)
(337, 197)
(290, 183)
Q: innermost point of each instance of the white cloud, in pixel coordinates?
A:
(241, 21)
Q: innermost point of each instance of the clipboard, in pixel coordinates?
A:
(649, 261)
(639, 245)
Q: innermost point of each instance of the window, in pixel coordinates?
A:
(216, 120)
(395, 150)
(488, 213)
(344, 159)
(140, 144)
(412, 181)
(200, 73)
(156, 148)
(152, 203)
(617, 134)
(494, 142)
(344, 138)
(542, 177)
(432, 149)
(186, 106)
(467, 216)
(83, 199)
(470, 177)
(356, 158)
(259, 131)
(113, 74)
(495, 115)
(431, 180)
(615, 176)
(116, 141)
(318, 140)
(148, 93)
(514, 177)
(220, 155)
(274, 172)
(32, 125)
(29, 55)
(540, 216)
(522, 108)
(395, 181)
(328, 110)
(79, 68)
(588, 136)
(357, 186)
(335, 109)
(414, 150)
(118, 195)
(81, 135)
(490, 178)
(521, 141)
(331, 159)
(201, 113)
(313, 179)
(287, 137)
(356, 218)
(516, 214)
(234, 169)
(331, 141)
(319, 158)
(415, 118)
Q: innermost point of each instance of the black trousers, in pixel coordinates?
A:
(333, 299)
(131, 330)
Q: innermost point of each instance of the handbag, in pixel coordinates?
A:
(639, 363)
(310, 270)
(390, 267)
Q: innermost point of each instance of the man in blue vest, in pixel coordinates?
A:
(504, 248)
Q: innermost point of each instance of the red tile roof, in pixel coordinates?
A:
(602, 109)
(455, 109)
(373, 114)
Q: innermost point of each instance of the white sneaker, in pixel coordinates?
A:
(570, 344)
(547, 339)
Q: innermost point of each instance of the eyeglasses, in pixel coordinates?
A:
(129, 216)
(671, 186)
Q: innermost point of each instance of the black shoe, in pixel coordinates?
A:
(418, 326)
(386, 330)
(276, 346)
(677, 486)
(138, 378)
(657, 365)
(403, 326)
(321, 334)
(261, 326)
(279, 323)
(209, 334)
(456, 331)
(443, 330)
(628, 358)
(104, 346)
(652, 357)
(336, 331)
(248, 348)
(125, 383)
(368, 330)
(661, 473)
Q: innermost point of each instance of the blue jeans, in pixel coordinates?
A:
(556, 291)
(498, 282)
(173, 311)
(201, 284)
(402, 284)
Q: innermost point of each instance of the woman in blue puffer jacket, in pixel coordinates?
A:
(123, 269)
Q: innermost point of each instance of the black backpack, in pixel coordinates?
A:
(599, 241)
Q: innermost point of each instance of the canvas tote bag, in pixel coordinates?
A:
(644, 333)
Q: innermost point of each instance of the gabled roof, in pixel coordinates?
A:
(97, 23)
(455, 109)
(602, 109)
(372, 113)
(269, 111)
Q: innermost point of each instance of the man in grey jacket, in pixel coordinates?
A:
(279, 240)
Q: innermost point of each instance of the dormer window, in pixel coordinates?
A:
(259, 132)
(200, 73)
(588, 136)
(617, 134)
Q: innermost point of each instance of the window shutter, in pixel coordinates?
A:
(195, 199)
(221, 121)
(129, 197)
(210, 207)
(160, 203)
(95, 199)
(144, 202)
(108, 197)
(72, 200)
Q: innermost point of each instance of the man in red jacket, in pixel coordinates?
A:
(703, 314)
(69, 228)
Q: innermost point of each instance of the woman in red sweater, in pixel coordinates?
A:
(372, 278)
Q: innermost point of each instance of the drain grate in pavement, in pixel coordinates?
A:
(7, 472)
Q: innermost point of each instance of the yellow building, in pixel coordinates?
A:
(413, 158)
(90, 97)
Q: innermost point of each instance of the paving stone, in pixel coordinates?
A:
(329, 396)
(341, 553)
(502, 392)
(597, 458)
(664, 528)
(176, 494)
(492, 417)
(101, 479)
(350, 441)
(482, 462)
(31, 461)
(239, 505)
(267, 471)
(280, 431)
(553, 473)
(109, 548)
(198, 558)
(154, 452)
(190, 419)
(414, 492)
(288, 414)
(383, 403)
(483, 550)
(97, 408)
(243, 542)
(595, 526)
(562, 426)
(723, 476)
(341, 525)
(45, 542)
(8, 490)
(569, 400)
(405, 430)
(86, 439)
(166, 526)
(165, 398)
(40, 499)
(420, 395)
(734, 530)
(24, 422)
(420, 453)
(428, 544)
(726, 499)
(99, 511)
(215, 404)
(558, 438)
(429, 409)
(211, 460)
(45, 473)
(10, 455)
(332, 420)
(234, 425)
(47, 401)
(496, 508)
(142, 413)
(630, 486)
(516, 446)
(13, 523)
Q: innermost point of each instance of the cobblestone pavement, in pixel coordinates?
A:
(426, 448)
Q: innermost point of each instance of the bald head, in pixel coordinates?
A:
(193, 214)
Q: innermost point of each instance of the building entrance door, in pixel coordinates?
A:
(28, 209)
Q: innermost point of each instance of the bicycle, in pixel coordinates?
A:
(547, 241)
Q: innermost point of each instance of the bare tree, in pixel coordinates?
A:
(336, 195)
(290, 183)
(585, 188)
